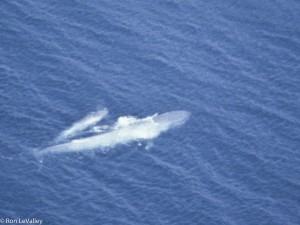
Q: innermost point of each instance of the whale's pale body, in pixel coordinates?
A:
(142, 129)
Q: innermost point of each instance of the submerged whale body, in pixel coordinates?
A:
(135, 130)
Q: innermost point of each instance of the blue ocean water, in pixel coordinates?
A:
(234, 65)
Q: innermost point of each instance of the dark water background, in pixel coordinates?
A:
(235, 65)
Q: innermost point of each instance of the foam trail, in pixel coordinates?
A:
(88, 121)
(136, 130)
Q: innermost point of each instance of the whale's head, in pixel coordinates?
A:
(172, 119)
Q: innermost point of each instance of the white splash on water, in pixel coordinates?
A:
(124, 121)
(99, 129)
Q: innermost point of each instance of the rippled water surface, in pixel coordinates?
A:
(233, 65)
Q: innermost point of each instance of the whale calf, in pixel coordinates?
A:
(86, 122)
(136, 130)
